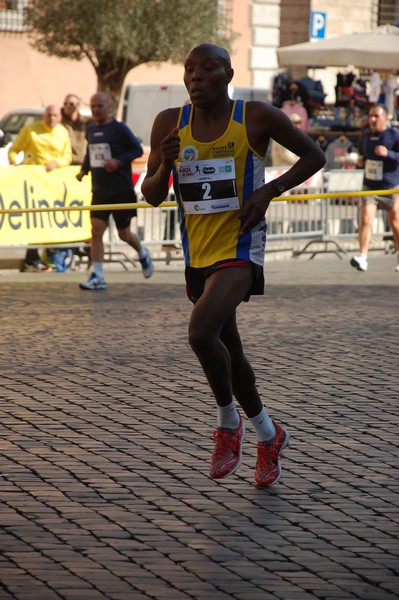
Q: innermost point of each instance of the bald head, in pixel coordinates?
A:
(101, 108)
(52, 115)
(212, 51)
(100, 97)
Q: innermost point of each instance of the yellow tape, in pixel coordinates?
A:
(293, 198)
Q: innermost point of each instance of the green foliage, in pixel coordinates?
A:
(118, 36)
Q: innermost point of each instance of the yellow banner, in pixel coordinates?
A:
(31, 188)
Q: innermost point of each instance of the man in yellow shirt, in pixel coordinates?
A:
(44, 142)
(47, 143)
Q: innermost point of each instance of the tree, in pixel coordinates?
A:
(118, 36)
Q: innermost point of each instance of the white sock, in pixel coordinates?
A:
(228, 416)
(98, 269)
(363, 255)
(264, 427)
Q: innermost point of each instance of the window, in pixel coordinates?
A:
(12, 15)
(388, 12)
(226, 10)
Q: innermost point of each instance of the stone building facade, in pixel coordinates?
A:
(32, 79)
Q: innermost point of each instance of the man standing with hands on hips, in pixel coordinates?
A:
(216, 149)
(111, 148)
(380, 152)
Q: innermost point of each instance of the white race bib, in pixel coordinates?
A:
(99, 154)
(208, 186)
(374, 170)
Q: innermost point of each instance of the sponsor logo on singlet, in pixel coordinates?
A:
(189, 153)
(227, 150)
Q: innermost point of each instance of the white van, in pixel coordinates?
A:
(142, 103)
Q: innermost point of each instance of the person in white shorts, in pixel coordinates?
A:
(380, 152)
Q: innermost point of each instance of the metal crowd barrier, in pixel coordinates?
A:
(322, 213)
(327, 217)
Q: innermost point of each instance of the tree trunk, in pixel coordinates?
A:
(110, 78)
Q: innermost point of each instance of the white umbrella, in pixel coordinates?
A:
(376, 49)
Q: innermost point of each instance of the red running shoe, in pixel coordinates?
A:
(268, 465)
(227, 453)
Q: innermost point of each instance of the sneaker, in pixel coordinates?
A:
(94, 283)
(36, 267)
(147, 264)
(268, 465)
(360, 263)
(227, 453)
(397, 266)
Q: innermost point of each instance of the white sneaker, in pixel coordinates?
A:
(94, 283)
(397, 266)
(360, 263)
(146, 264)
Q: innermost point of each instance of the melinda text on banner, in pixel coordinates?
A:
(28, 188)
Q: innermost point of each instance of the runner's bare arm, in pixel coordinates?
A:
(165, 146)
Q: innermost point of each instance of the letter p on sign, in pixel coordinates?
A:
(317, 29)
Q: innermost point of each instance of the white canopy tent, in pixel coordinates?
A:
(377, 49)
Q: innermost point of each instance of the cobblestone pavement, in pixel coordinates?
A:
(106, 434)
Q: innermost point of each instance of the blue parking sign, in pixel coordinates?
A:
(317, 25)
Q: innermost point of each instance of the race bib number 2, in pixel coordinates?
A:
(208, 186)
